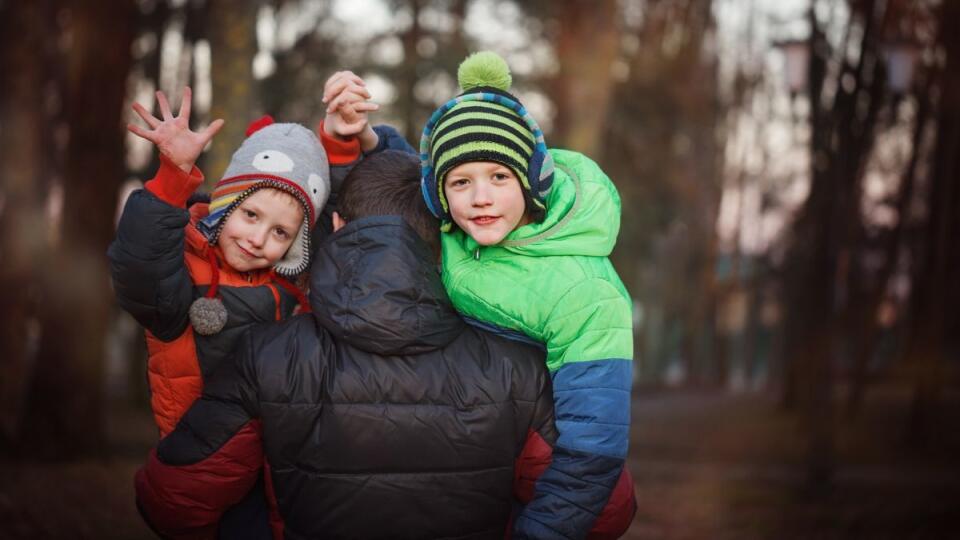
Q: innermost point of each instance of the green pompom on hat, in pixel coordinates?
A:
(484, 69)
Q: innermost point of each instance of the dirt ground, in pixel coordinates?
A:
(705, 465)
(732, 467)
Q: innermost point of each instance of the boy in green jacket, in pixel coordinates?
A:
(526, 236)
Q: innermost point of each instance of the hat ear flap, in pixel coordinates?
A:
(428, 181)
(540, 172)
(428, 187)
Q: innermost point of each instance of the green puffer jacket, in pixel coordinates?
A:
(553, 282)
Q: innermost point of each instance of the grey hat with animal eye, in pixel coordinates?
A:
(288, 157)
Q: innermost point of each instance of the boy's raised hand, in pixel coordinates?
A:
(172, 134)
(346, 97)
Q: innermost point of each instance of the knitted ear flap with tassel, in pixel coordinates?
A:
(207, 313)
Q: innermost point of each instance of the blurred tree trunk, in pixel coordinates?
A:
(153, 23)
(810, 294)
(756, 289)
(867, 292)
(65, 412)
(698, 186)
(458, 39)
(410, 73)
(821, 238)
(937, 293)
(233, 44)
(26, 29)
(660, 144)
(587, 44)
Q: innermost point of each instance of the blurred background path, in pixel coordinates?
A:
(706, 466)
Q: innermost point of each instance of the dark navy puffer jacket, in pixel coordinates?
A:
(380, 415)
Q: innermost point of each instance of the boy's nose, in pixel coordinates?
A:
(481, 195)
(258, 237)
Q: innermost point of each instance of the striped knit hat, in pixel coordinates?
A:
(288, 157)
(484, 123)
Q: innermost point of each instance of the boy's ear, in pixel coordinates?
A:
(338, 222)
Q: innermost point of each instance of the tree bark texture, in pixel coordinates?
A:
(822, 236)
(587, 44)
(233, 44)
(65, 407)
(868, 291)
(937, 293)
(25, 41)
(410, 73)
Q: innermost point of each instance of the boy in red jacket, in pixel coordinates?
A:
(195, 279)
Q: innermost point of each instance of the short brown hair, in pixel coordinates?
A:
(388, 184)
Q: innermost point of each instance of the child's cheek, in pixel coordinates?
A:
(456, 207)
(460, 221)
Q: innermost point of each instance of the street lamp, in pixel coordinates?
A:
(900, 57)
(796, 54)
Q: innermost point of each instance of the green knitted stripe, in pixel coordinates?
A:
(481, 121)
(489, 133)
(478, 104)
(484, 108)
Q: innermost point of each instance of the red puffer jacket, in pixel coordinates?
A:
(160, 264)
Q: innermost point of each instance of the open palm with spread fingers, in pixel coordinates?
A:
(172, 134)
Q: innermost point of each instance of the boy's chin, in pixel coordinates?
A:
(488, 238)
(241, 265)
(250, 267)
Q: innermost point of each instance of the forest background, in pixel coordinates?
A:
(790, 233)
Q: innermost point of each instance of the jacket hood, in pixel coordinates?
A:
(583, 214)
(374, 285)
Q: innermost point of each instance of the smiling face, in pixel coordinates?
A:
(485, 200)
(260, 230)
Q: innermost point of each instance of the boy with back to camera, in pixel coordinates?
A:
(526, 236)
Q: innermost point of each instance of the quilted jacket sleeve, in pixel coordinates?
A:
(589, 341)
(210, 461)
(150, 278)
(390, 139)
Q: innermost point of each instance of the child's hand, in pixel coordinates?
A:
(172, 135)
(346, 97)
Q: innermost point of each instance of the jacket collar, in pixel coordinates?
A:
(374, 285)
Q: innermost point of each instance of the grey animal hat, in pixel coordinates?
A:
(288, 157)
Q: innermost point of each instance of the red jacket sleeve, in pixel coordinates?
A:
(339, 151)
(172, 185)
(187, 501)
